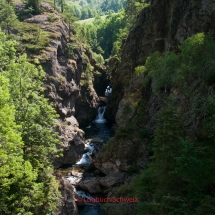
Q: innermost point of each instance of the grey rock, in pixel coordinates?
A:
(67, 204)
(91, 185)
(112, 179)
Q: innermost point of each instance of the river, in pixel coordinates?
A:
(100, 130)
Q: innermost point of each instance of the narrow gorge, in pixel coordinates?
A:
(146, 146)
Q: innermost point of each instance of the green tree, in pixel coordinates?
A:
(36, 119)
(166, 143)
(85, 13)
(62, 5)
(132, 9)
(8, 18)
(35, 4)
(107, 32)
(19, 192)
(69, 18)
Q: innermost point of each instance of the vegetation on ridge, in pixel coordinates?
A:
(179, 178)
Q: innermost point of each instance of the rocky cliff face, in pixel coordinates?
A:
(65, 61)
(159, 27)
(70, 88)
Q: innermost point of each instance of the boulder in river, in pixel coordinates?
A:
(112, 179)
(95, 140)
(92, 185)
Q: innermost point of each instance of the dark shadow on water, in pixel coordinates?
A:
(100, 130)
(91, 210)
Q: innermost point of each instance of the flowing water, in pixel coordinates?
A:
(100, 117)
(99, 128)
(86, 158)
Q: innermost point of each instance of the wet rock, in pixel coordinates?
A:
(112, 179)
(92, 185)
(95, 140)
(73, 180)
(77, 173)
(103, 101)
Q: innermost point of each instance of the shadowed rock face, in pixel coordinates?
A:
(160, 27)
(101, 80)
(86, 105)
(100, 185)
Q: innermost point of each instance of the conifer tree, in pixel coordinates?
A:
(166, 144)
(69, 18)
(62, 5)
(35, 4)
(8, 18)
(19, 192)
(36, 119)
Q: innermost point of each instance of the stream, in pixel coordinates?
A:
(99, 129)
(96, 135)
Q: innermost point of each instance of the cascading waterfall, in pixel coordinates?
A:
(86, 158)
(99, 128)
(100, 117)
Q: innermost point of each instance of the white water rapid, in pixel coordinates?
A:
(100, 117)
(86, 158)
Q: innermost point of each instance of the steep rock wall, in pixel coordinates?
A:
(64, 68)
(159, 27)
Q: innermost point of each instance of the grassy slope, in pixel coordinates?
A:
(90, 20)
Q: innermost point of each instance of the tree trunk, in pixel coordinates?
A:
(69, 31)
(62, 6)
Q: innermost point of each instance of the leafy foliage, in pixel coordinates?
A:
(132, 9)
(35, 4)
(8, 18)
(27, 143)
(179, 178)
(102, 34)
(83, 9)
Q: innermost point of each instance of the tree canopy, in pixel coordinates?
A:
(27, 143)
